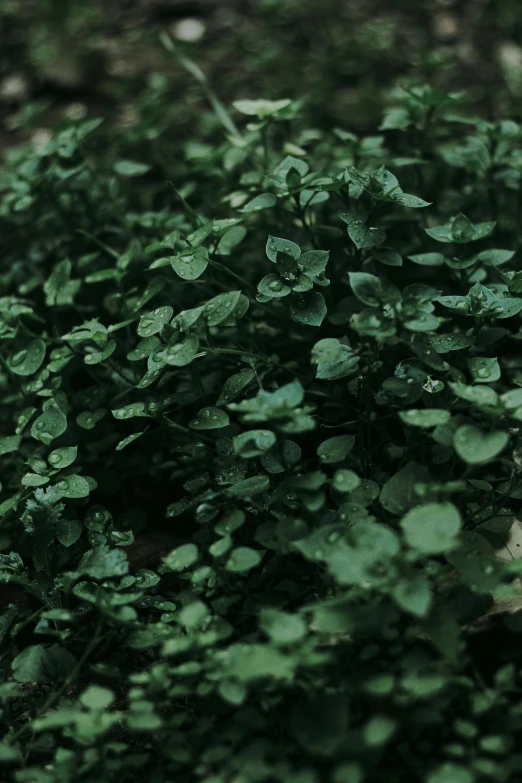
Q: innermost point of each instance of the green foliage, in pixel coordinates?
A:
(327, 362)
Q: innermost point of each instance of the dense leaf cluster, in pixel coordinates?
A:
(318, 336)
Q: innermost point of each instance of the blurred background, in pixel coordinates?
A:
(76, 58)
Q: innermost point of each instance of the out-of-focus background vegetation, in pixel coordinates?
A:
(104, 58)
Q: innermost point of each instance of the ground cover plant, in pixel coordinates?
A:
(259, 445)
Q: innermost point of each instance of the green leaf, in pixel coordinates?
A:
(408, 200)
(235, 384)
(428, 259)
(95, 697)
(96, 357)
(131, 411)
(62, 458)
(512, 399)
(484, 369)
(308, 308)
(379, 730)
(461, 303)
(482, 396)
(273, 287)
(432, 528)
(243, 559)
(362, 235)
(59, 289)
(253, 443)
(263, 201)
(280, 459)
(346, 481)
(68, 531)
(335, 449)
(333, 359)
(413, 595)
(103, 563)
(73, 487)
(32, 480)
(386, 257)
(460, 229)
(495, 257)
(198, 237)
(282, 627)
(289, 163)
(230, 240)
(313, 262)
(50, 424)
(9, 753)
(185, 320)
(129, 439)
(87, 420)
(428, 417)
(253, 662)
(28, 360)
(103, 274)
(451, 773)
(398, 493)
(443, 343)
(249, 487)
(210, 419)
(191, 265)
(12, 443)
(182, 353)
(130, 168)
(477, 447)
(367, 288)
(232, 692)
(507, 308)
(221, 307)
(275, 245)
(39, 663)
(261, 108)
(153, 322)
(182, 557)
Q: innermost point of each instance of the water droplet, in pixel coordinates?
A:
(54, 459)
(40, 425)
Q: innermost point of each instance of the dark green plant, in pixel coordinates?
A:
(317, 334)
